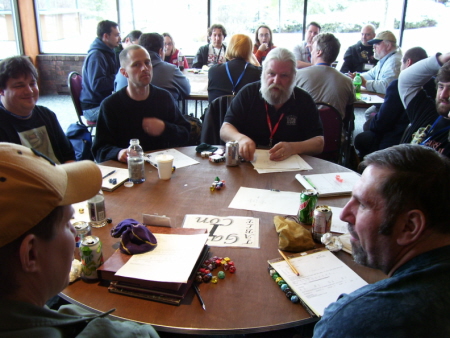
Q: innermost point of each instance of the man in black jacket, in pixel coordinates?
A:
(359, 57)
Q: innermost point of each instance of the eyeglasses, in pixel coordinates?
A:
(168, 44)
(264, 35)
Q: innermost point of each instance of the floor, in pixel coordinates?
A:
(63, 107)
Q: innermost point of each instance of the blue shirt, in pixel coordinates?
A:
(414, 302)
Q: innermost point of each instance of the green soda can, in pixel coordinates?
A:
(308, 201)
(91, 258)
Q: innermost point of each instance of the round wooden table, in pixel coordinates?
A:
(245, 302)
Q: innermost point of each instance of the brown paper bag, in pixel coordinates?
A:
(292, 236)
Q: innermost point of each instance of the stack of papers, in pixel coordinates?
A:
(263, 164)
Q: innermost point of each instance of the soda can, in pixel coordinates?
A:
(97, 212)
(232, 153)
(321, 221)
(91, 257)
(82, 229)
(308, 201)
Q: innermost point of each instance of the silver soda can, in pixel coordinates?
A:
(232, 153)
(82, 230)
(321, 221)
(91, 257)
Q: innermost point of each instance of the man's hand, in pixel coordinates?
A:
(246, 148)
(363, 81)
(262, 47)
(281, 151)
(122, 156)
(153, 126)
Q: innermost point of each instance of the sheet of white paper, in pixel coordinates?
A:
(180, 160)
(171, 261)
(231, 231)
(336, 224)
(276, 202)
(370, 98)
(323, 277)
(294, 162)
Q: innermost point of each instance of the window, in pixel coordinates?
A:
(185, 20)
(426, 20)
(70, 26)
(10, 43)
(285, 17)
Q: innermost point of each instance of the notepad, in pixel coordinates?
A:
(333, 184)
(323, 277)
(120, 175)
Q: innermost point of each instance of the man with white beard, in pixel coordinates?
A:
(273, 113)
(387, 69)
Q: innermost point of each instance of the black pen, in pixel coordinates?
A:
(109, 174)
(197, 292)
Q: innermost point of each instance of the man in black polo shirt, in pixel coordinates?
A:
(274, 113)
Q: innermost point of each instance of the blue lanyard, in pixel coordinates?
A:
(238, 80)
(429, 136)
(323, 64)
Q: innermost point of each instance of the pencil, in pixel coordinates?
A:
(294, 270)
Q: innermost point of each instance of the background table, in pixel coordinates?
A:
(244, 302)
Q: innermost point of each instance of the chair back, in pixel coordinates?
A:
(74, 83)
(213, 120)
(332, 131)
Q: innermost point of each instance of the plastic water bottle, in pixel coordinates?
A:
(357, 83)
(180, 60)
(135, 154)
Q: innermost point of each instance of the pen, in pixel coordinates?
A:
(310, 183)
(109, 174)
(294, 270)
(197, 292)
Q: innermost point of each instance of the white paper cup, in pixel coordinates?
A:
(165, 163)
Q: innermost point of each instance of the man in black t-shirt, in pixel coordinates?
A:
(274, 113)
(21, 120)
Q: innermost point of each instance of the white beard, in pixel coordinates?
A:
(276, 98)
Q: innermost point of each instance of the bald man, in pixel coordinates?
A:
(359, 57)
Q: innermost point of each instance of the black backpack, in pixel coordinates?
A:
(196, 129)
(81, 139)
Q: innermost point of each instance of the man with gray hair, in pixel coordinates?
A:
(388, 67)
(274, 113)
(323, 82)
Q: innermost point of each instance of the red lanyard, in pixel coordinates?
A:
(269, 123)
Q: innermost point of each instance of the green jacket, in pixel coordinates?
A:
(24, 320)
